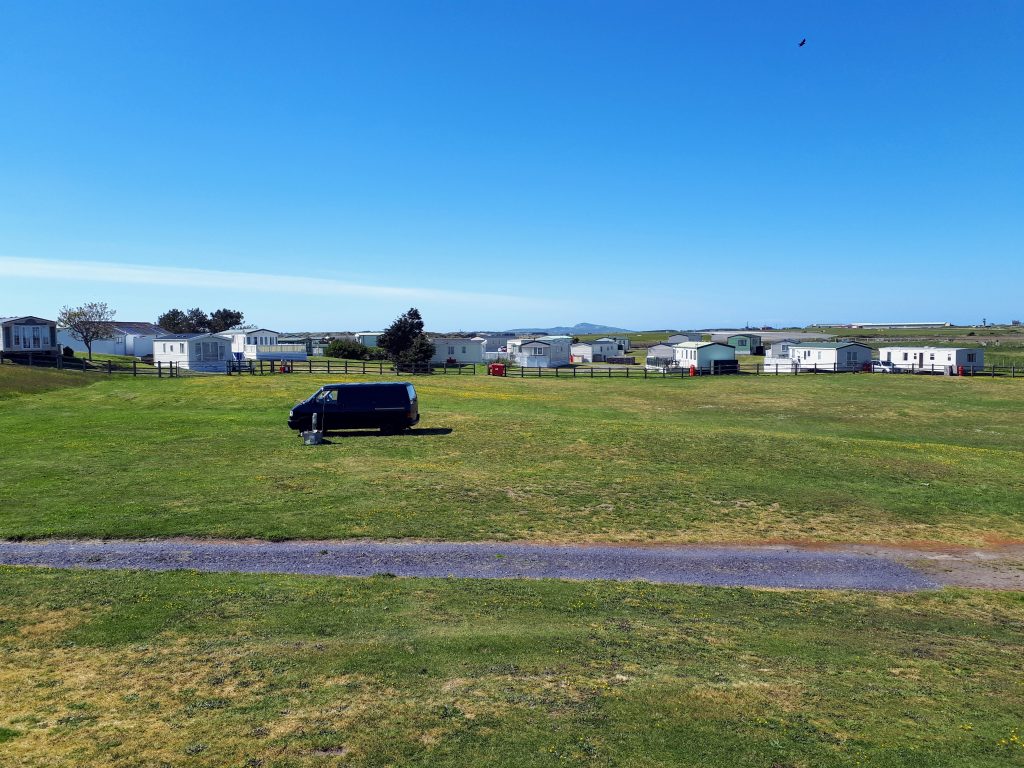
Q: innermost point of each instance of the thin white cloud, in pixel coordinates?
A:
(143, 274)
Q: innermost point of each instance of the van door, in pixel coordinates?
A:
(327, 409)
(356, 407)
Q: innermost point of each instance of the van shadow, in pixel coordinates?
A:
(425, 432)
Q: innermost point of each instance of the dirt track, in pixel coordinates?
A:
(786, 566)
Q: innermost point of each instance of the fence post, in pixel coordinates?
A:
(135, 369)
(110, 368)
(159, 370)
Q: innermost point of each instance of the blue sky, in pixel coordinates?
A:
(500, 164)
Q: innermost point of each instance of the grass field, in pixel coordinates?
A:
(851, 458)
(19, 381)
(184, 669)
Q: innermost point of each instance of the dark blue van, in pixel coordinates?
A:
(389, 407)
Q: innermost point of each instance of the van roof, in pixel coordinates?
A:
(369, 384)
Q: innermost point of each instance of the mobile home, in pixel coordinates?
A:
(28, 334)
(207, 352)
(830, 356)
(936, 359)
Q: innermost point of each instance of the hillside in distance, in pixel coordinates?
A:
(580, 329)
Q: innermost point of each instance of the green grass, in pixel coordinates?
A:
(961, 334)
(851, 457)
(130, 669)
(21, 380)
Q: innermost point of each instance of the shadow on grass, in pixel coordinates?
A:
(426, 432)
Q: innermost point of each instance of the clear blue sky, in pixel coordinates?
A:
(498, 164)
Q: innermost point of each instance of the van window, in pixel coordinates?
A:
(389, 397)
(412, 392)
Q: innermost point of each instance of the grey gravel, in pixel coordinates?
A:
(761, 566)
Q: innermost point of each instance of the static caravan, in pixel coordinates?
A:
(263, 344)
(830, 356)
(594, 351)
(125, 338)
(28, 334)
(778, 358)
(745, 343)
(543, 352)
(706, 356)
(497, 342)
(661, 357)
(936, 359)
(457, 349)
(207, 352)
(679, 338)
(622, 342)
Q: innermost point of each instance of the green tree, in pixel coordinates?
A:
(196, 321)
(418, 355)
(88, 323)
(172, 321)
(404, 341)
(223, 319)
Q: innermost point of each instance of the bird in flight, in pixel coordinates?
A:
(802, 43)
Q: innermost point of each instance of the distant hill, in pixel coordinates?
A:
(580, 329)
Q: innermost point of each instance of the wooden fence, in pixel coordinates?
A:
(381, 368)
(327, 365)
(109, 367)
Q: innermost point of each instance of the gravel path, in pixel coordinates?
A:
(762, 566)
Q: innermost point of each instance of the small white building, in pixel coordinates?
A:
(457, 349)
(827, 356)
(597, 351)
(705, 356)
(28, 334)
(542, 352)
(936, 359)
(263, 344)
(126, 338)
(208, 352)
(368, 338)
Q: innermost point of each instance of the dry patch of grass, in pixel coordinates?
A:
(185, 669)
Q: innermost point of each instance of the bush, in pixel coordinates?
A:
(68, 352)
(346, 349)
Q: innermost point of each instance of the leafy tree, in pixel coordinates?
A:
(418, 355)
(347, 349)
(404, 341)
(88, 323)
(223, 319)
(196, 321)
(398, 337)
(172, 321)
